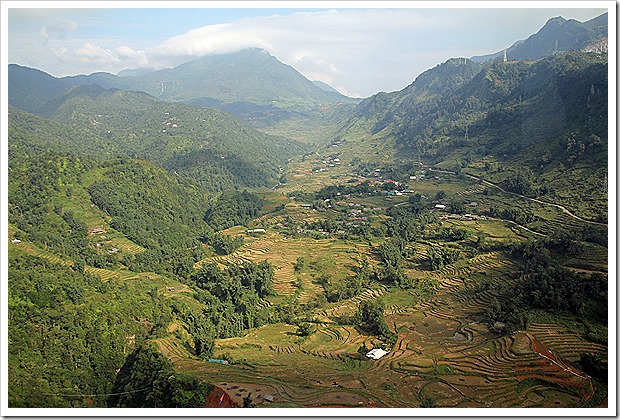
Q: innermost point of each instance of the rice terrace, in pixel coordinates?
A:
(208, 228)
(444, 351)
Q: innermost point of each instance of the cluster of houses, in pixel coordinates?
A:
(168, 124)
(99, 231)
(329, 162)
(467, 216)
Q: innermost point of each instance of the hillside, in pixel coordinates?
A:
(558, 34)
(29, 89)
(207, 145)
(97, 247)
(34, 134)
(549, 116)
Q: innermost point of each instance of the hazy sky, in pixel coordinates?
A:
(359, 48)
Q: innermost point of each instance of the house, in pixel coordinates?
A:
(376, 354)
(439, 206)
(96, 230)
(250, 231)
(16, 241)
(424, 167)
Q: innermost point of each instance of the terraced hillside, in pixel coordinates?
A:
(444, 350)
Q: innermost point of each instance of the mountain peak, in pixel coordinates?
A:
(558, 20)
(558, 34)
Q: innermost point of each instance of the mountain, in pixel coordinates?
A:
(103, 79)
(210, 146)
(251, 84)
(30, 88)
(548, 117)
(251, 75)
(558, 34)
(324, 86)
(135, 72)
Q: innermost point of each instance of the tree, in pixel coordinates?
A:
(247, 401)
(427, 402)
(304, 329)
(370, 317)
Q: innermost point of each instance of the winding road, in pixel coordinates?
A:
(564, 209)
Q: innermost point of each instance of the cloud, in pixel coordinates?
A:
(213, 39)
(357, 51)
(56, 27)
(95, 58)
(358, 48)
(322, 45)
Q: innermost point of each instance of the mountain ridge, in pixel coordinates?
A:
(558, 34)
(252, 84)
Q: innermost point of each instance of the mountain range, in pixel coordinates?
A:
(558, 34)
(251, 84)
(457, 112)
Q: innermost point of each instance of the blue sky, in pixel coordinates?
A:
(358, 48)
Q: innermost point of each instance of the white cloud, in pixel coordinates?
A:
(213, 39)
(92, 53)
(357, 51)
(323, 46)
(56, 27)
(358, 48)
(95, 58)
(61, 25)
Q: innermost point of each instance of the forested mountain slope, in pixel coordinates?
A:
(251, 84)
(95, 243)
(544, 121)
(207, 145)
(251, 75)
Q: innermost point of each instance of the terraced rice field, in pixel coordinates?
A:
(41, 253)
(562, 221)
(125, 245)
(444, 350)
(567, 344)
(283, 252)
(107, 275)
(440, 353)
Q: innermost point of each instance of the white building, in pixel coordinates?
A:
(376, 353)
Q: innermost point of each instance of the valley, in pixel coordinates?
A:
(444, 351)
(176, 248)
